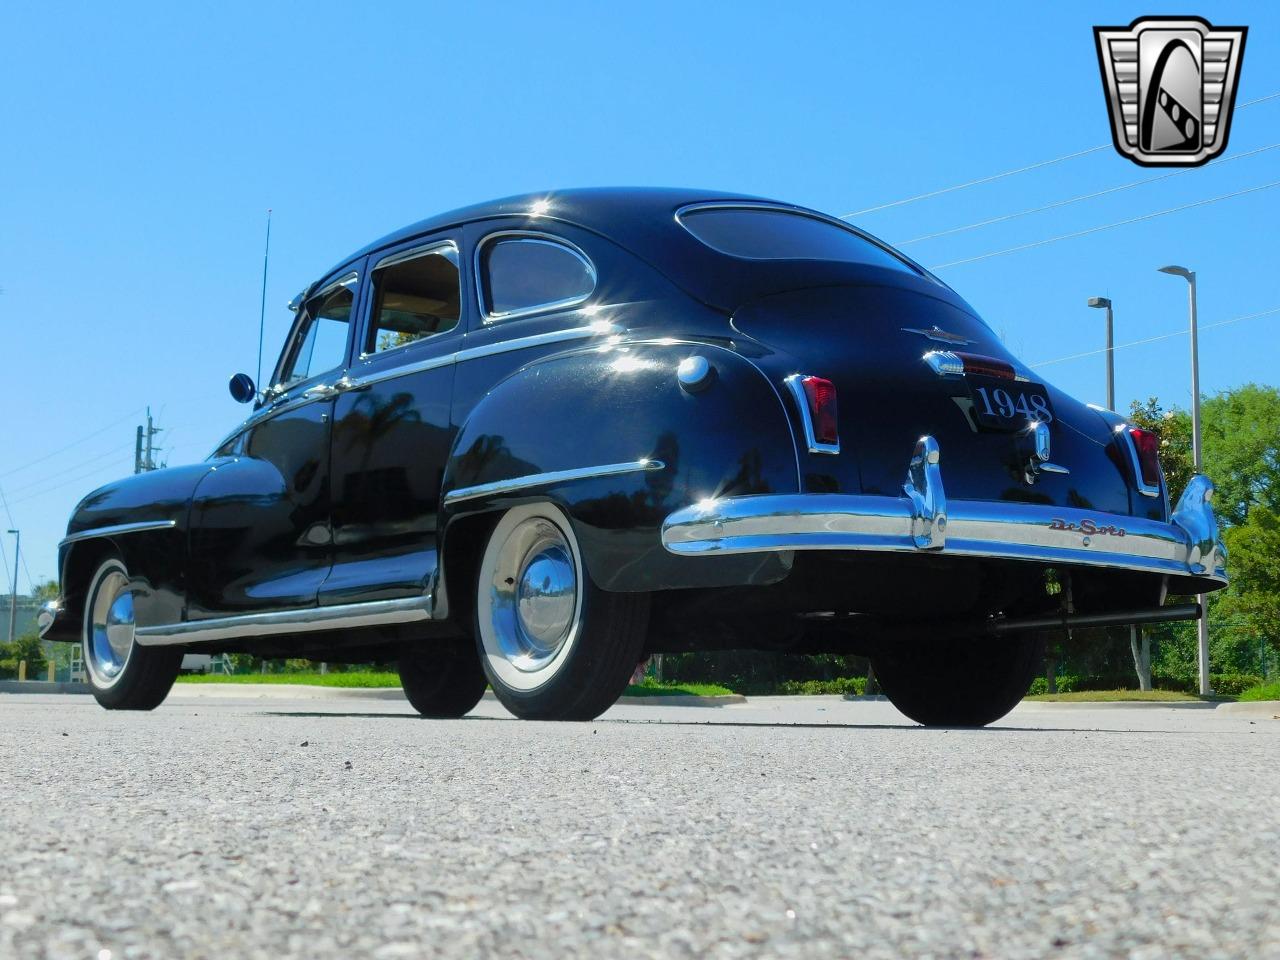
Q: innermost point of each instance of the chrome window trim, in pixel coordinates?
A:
(275, 622)
(404, 256)
(487, 317)
(553, 476)
(798, 211)
(351, 276)
(596, 328)
(117, 529)
(806, 416)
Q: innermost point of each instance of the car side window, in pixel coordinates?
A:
(416, 295)
(320, 343)
(524, 274)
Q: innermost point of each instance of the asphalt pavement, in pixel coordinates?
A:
(784, 827)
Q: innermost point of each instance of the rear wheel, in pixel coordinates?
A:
(966, 683)
(122, 674)
(444, 682)
(553, 645)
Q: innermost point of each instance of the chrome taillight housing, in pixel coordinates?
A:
(816, 397)
(1144, 455)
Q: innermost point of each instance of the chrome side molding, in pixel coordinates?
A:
(546, 479)
(375, 613)
(118, 529)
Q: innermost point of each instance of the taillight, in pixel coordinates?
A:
(822, 407)
(817, 397)
(1147, 446)
(954, 363)
(986, 366)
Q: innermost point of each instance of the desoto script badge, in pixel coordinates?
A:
(1170, 85)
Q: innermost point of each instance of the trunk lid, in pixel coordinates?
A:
(870, 341)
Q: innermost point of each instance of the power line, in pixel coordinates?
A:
(1105, 226)
(59, 486)
(21, 556)
(1086, 196)
(1162, 336)
(1010, 173)
(974, 183)
(61, 473)
(73, 444)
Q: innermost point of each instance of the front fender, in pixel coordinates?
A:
(143, 519)
(567, 427)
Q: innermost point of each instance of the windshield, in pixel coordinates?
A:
(763, 233)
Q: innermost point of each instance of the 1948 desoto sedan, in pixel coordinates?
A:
(529, 443)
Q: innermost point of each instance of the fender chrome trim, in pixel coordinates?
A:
(117, 529)
(273, 623)
(923, 521)
(545, 479)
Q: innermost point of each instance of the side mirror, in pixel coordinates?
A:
(242, 388)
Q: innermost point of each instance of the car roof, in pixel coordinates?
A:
(641, 220)
(608, 211)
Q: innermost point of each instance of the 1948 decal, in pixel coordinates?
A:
(1088, 527)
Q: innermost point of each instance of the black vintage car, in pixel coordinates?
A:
(529, 443)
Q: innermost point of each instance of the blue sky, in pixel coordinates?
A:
(144, 144)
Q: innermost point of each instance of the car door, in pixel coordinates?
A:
(392, 428)
(260, 532)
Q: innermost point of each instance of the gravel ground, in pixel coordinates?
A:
(807, 828)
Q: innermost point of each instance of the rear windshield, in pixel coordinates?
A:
(757, 233)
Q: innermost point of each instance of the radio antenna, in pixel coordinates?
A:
(262, 309)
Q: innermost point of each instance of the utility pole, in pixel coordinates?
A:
(143, 448)
(1196, 453)
(13, 597)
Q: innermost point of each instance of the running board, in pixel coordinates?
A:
(375, 613)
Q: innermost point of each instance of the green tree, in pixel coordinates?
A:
(1241, 433)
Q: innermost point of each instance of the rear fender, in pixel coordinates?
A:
(611, 436)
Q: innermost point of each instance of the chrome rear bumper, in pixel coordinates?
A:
(922, 521)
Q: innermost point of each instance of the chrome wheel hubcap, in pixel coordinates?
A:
(531, 605)
(109, 631)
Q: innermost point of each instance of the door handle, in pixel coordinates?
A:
(327, 391)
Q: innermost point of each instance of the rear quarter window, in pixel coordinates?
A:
(757, 233)
(522, 274)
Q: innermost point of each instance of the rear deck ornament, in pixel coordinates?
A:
(1171, 86)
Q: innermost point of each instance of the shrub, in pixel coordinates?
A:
(26, 647)
(1263, 691)
(1233, 684)
(845, 686)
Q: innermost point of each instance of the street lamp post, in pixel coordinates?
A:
(1111, 351)
(13, 597)
(1196, 456)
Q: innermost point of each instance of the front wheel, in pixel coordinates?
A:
(553, 645)
(122, 674)
(962, 683)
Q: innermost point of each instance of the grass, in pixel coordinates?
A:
(651, 688)
(1264, 691)
(1113, 696)
(362, 678)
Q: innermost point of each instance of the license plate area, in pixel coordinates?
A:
(1008, 405)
